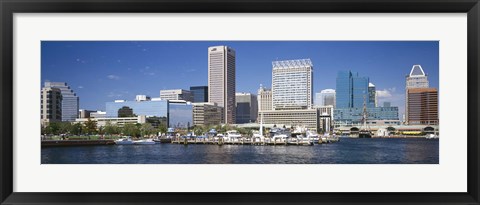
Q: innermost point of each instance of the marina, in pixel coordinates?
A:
(347, 151)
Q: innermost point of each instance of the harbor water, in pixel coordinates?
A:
(347, 151)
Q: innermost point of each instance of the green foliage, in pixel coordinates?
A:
(131, 130)
(147, 129)
(76, 129)
(110, 129)
(90, 127)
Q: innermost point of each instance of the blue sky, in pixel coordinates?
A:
(104, 71)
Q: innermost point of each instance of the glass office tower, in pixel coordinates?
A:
(200, 93)
(70, 100)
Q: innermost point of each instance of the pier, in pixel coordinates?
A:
(266, 142)
(69, 143)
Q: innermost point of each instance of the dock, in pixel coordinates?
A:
(243, 142)
(69, 143)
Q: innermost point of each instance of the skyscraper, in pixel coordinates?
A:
(353, 90)
(200, 93)
(422, 106)
(292, 86)
(70, 100)
(372, 94)
(247, 108)
(51, 105)
(325, 97)
(351, 93)
(221, 80)
(416, 79)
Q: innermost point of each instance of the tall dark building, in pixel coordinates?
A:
(200, 93)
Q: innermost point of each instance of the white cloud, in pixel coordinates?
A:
(80, 87)
(113, 77)
(114, 94)
(383, 93)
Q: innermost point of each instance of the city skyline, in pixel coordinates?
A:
(102, 72)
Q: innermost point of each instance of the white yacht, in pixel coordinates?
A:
(232, 136)
(144, 142)
(431, 136)
(127, 140)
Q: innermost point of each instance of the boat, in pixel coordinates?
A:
(144, 142)
(232, 136)
(257, 137)
(126, 140)
(281, 135)
(431, 136)
(312, 136)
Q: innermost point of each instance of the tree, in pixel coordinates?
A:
(64, 127)
(53, 128)
(90, 127)
(131, 130)
(76, 129)
(147, 129)
(110, 129)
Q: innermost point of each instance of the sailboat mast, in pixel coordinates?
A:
(261, 124)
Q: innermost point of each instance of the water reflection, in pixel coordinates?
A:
(347, 151)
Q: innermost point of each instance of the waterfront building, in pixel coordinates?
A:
(177, 112)
(352, 116)
(247, 107)
(288, 118)
(119, 121)
(82, 113)
(325, 98)
(176, 94)
(205, 113)
(142, 98)
(292, 85)
(70, 100)
(422, 106)
(221, 80)
(352, 92)
(264, 99)
(200, 93)
(50, 105)
(98, 114)
(372, 94)
(417, 78)
(325, 118)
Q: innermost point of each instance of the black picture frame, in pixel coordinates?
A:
(10, 7)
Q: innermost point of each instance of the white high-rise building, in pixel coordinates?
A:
(70, 100)
(292, 84)
(264, 98)
(416, 79)
(221, 80)
(176, 94)
(142, 98)
(325, 98)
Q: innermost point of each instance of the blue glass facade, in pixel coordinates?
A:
(343, 89)
(200, 93)
(354, 115)
(351, 93)
(178, 114)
